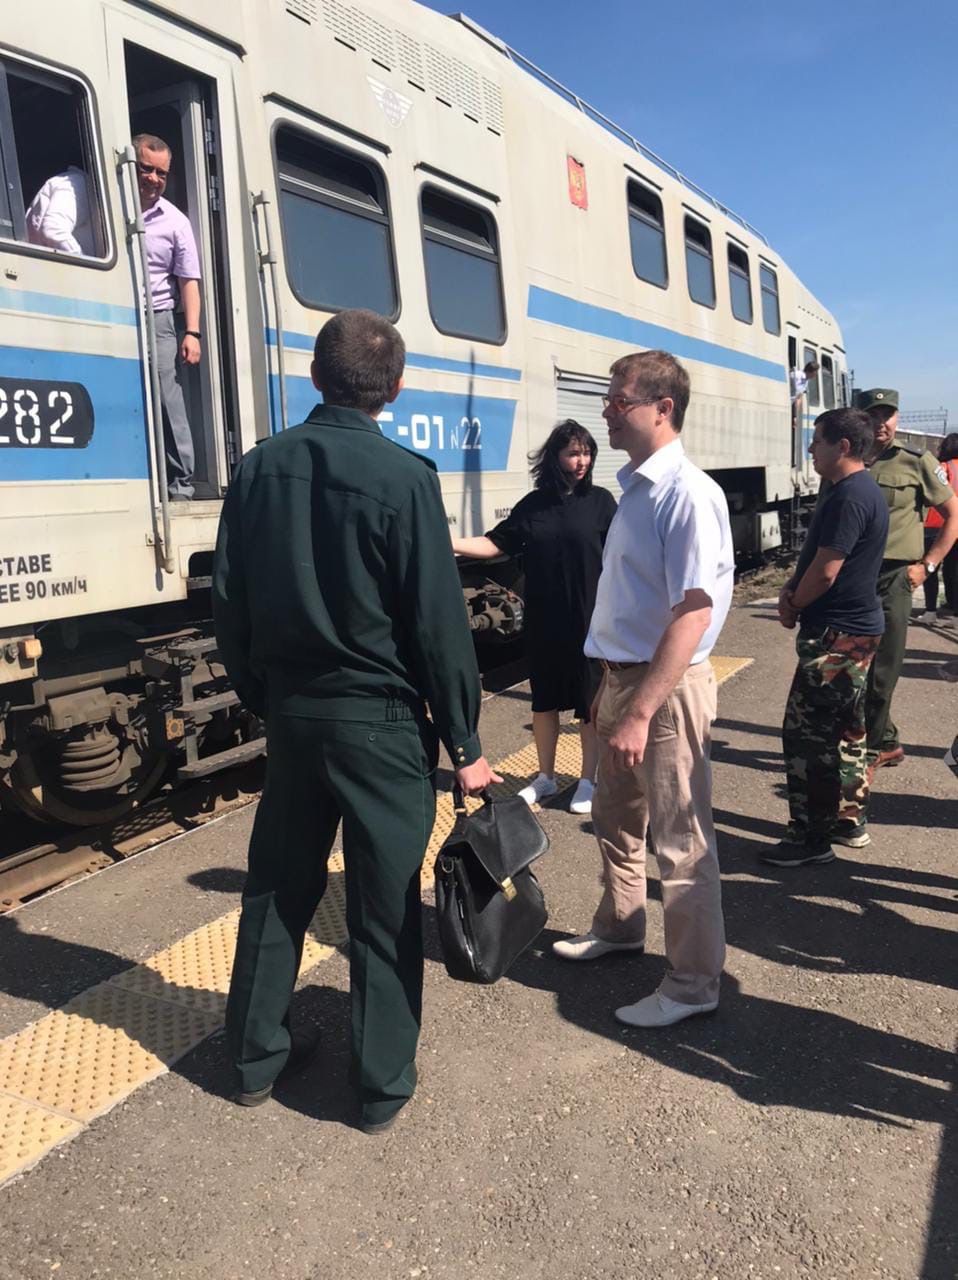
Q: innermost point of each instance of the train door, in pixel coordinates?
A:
(579, 396)
(181, 91)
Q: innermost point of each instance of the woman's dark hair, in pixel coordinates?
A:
(546, 469)
(948, 449)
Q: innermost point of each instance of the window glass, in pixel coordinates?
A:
(461, 256)
(647, 234)
(813, 394)
(771, 315)
(50, 195)
(698, 262)
(828, 382)
(335, 219)
(739, 284)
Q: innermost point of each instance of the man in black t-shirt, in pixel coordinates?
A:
(833, 597)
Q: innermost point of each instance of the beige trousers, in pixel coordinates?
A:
(671, 790)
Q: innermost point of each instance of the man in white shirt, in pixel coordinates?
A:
(59, 215)
(663, 597)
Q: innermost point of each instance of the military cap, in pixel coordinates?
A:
(877, 398)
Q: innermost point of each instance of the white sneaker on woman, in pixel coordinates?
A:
(582, 797)
(539, 789)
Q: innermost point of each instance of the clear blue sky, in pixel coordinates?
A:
(835, 133)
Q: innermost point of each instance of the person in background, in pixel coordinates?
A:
(798, 380)
(663, 597)
(910, 482)
(339, 616)
(833, 595)
(559, 529)
(948, 569)
(174, 268)
(59, 215)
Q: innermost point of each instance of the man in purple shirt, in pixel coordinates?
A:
(174, 267)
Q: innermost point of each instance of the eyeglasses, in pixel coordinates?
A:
(627, 400)
(146, 169)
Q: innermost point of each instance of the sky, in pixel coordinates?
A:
(835, 135)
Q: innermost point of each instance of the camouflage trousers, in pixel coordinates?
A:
(823, 734)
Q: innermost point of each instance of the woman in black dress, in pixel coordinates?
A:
(559, 529)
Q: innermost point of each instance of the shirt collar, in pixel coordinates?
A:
(655, 468)
(335, 415)
(155, 210)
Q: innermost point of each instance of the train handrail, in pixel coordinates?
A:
(267, 263)
(136, 229)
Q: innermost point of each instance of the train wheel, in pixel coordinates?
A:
(36, 789)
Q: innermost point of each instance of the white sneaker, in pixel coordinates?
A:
(658, 1010)
(539, 789)
(588, 947)
(582, 798)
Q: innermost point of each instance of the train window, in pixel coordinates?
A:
(647, 234)
(814, 397)
(771, 315)
(740, 283)
(828, 382)
(50, 193)
(698, 262)
(335, 217)
(463, 282)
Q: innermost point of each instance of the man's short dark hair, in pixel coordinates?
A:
(150, 142)
(811, 368)
(853, 425)
(359, 359)
(657, 375)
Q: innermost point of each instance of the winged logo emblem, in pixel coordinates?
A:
(394, 106)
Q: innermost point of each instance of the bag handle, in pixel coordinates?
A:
(459, 800)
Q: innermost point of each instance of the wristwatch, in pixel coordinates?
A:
(930, 567)
(193, 333)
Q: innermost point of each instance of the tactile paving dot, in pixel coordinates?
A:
(725, 668)
(86, 1056)
(329, 922)
(194, 971)
(27, 1133)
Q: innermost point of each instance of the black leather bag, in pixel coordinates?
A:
(489, 903)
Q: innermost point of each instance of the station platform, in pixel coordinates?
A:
(809, 1128)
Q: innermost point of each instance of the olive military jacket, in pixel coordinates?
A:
(335, 590)
(910, 482)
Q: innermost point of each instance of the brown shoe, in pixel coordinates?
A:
(893, 756)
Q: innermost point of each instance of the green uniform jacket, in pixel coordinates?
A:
(335, 589)
(910, 482)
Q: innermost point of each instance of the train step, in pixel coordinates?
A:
(222, 760)
(216, 702)
(193, 648)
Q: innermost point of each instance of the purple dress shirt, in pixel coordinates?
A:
(170, 252)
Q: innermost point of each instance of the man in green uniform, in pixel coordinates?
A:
(911, 482)
(339, 614)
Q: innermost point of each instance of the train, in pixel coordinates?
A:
(329, 154)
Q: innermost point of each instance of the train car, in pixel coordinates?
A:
(328, 154)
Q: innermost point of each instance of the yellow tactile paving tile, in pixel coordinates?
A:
(27, 1133)
(83, 1058)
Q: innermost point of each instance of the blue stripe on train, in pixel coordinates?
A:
(570, 313)
(52, 304)
(117, 449)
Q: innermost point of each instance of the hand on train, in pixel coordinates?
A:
(190, 350)
(628, 742)
(474, 778)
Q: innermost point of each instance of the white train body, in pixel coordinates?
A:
(331, 154)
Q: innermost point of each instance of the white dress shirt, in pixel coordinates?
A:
(670, 535)
(59, 214)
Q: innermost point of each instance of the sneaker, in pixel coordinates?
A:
(588, 947)
(538, 790)
(582, 798)
(658, 1010)
(927, 615)
(785, 854)
(854, 835)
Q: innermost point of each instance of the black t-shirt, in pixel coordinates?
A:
(852, 518)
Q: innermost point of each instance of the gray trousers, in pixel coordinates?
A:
(180, 458)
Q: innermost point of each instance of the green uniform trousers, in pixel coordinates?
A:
(894, 590)
(378, 777)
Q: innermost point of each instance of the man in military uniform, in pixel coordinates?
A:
(911, 482)
(339, 614)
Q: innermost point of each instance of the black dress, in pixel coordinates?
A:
(560, 537)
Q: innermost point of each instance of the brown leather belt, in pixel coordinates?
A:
(620, 666)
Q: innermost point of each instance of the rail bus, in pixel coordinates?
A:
(329, 154)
